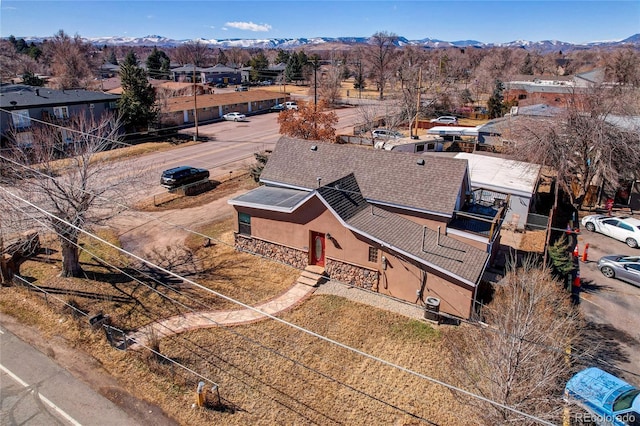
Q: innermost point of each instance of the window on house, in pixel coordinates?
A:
(420, 148)
(373, 254)
(431, 147)
(61, 112)
(21, 118)
(244, 223)
(522, 96)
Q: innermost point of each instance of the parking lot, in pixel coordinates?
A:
(611, 309)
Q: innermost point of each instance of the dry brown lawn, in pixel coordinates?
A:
(267, 372)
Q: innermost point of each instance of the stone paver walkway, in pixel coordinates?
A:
(195, 320)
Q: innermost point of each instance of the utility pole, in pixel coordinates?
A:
(315, 84)
(418, 105)
(195, 102)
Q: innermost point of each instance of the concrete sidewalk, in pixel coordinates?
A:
(206, 319)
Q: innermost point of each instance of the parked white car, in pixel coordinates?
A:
(291, 105)
(234, 116)
(622, 228)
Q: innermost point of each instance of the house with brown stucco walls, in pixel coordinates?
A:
(404, 225)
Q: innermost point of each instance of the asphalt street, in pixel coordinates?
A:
(611, 308)
(34, 390)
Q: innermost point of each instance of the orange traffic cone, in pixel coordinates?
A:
(584, 254)
(575, 251)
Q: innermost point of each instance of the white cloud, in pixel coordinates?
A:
(249, 26)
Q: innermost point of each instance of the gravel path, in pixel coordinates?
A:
(370, 298)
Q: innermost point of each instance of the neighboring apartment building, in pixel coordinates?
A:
(20, 105)
(405, 225)
(551, 90)
(179, 110)
(210, 75)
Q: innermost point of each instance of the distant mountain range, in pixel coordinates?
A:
(543, 46)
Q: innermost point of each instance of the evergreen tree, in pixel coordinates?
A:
(112, 58)
(154, 64)
(258, 63)
(561, 258)
(282, 57)
(495, 103)
(31, 79)
(137, 104)
(527, 65)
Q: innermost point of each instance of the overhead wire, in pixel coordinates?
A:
(294, 326)
(188, 230)
(228, 329)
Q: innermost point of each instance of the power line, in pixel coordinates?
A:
(296, 327)
(228, 329)
(555, 349)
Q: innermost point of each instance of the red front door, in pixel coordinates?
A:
(317, 249)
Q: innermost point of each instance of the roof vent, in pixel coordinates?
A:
(314, 147)
(420, 162)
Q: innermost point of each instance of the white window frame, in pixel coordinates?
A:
(21, 118)
(61, 112)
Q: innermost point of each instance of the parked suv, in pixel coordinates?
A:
(445, 119)
(291, 105)
(386, 134)
(178, 176)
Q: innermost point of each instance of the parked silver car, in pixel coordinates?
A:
(624, 268)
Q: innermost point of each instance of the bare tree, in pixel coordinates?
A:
(60, 172)
(330, 85)
(193, 53)
(590, 144)
(70, 60)
(379, 55)
(518, 358)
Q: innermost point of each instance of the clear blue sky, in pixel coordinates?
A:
(485, 21)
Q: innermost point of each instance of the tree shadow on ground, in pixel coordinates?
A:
(591, 287)
(604, 346)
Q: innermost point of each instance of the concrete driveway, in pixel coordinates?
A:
(611, 308)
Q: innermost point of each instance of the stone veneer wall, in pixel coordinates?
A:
(290, 256)
(352, 274)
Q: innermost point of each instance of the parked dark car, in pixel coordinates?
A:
(178, 176)
(221, 85)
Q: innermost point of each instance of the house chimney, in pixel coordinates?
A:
(438, 236)
(37, 92)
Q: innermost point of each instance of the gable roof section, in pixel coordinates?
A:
(451, 257)
(384, 177)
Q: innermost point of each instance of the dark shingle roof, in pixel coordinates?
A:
(29, 96)
(383, 176)
(450, 256)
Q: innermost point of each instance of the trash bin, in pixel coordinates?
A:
(432, 309)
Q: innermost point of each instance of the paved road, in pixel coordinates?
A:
(230, 148)
(36, 391)
(611, 307)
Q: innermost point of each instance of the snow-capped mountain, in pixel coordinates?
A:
(291, 43)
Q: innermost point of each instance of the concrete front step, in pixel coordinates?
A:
(311, 276)
(315, 269)
(307, 281)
